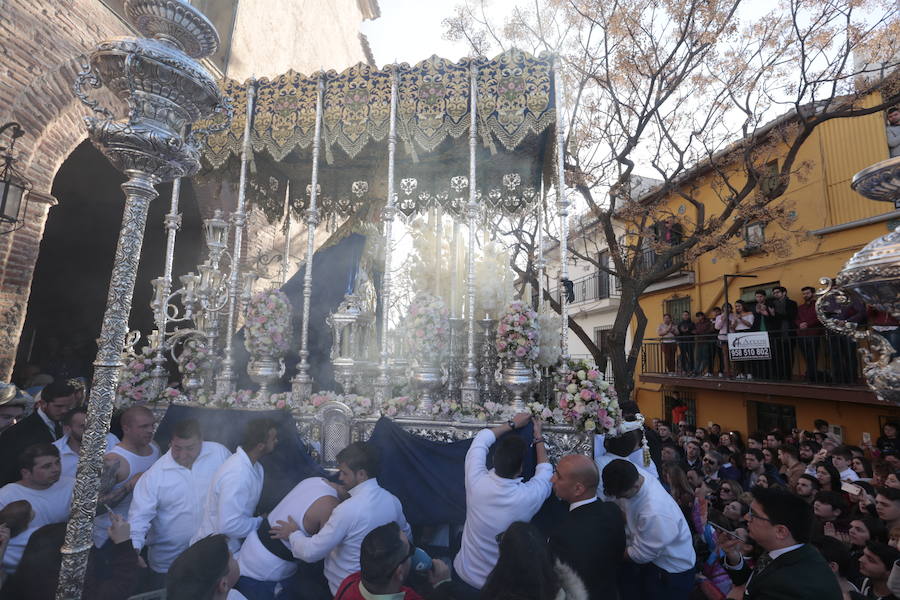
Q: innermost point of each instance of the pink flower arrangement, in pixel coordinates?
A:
(518, 333)
(135, 383)
(268, 324)
(195, 357)
(583, 399)
(428, 326)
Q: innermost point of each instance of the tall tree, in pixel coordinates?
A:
(699, 95)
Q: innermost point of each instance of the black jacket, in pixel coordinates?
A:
(591, 540)
(28, 431)
(801, 574)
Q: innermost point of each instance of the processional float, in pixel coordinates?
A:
(465, 142)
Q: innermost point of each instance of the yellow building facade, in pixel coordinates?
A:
(831, 222)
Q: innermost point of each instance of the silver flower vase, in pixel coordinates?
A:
(427, 379)
(264, 371)
(518, 379)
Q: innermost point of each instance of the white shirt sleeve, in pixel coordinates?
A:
(651, 535)
(317, 547)
(539, 486)
(143, 509)
(476, 457)
(234, 497)
(401, 521)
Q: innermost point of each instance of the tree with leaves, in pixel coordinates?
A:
(699, 95)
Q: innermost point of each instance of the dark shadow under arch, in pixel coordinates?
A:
(71, 278)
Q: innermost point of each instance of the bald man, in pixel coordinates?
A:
(123, 466)
(591, 539)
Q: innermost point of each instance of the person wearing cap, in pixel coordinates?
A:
(12, 406)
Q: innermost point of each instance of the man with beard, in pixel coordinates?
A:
(807, 487)
(69, 445)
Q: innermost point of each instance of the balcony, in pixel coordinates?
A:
(698, 363)
(685, 276)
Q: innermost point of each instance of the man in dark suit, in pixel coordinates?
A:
(791, 568)
(591, 539)
(44, 425)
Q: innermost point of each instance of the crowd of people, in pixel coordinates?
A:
(699, 346)
(657, 513)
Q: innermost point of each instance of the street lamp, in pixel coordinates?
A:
(13, 185)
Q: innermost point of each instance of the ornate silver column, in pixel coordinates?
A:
(163, 289)
(469, 386)
(286, 256)
(301, 384)
(438, 238)
(226, 380)
(166, 90)
(383, 382)
(562, 207)
(541, 263)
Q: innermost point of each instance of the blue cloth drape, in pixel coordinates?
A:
(429, 477)
(287, 465)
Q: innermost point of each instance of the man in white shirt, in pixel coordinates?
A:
(497, 498)
(206, 570)
(368, 507)
(169, 498)
(69, 445)
(659, 536)
(237, 485)
(123, 465)
(267, 563)
(41, 486)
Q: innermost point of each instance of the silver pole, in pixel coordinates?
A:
(469, 387)
(301, 385)
(225, 382)
(562, 206)
(454, 269)
(286, 257)
(438, 234)
(383, 383)
(172, 224)
(541, 262)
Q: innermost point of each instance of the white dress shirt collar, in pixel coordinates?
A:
(575, 505)
(47, 421)
(361, 488)
(776, 553)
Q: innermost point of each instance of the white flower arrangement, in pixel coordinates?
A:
(268, 324)
(428, 326)
(518, 333)
(362, 406)
(246, 399)
(549, 350)
(195, 357)
(493, 279)
(583, 398)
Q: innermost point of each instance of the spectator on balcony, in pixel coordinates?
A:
(809, 332)
(744, 321)
(705, 337)
(893, 131)
(781, 333)
(724, 323)
(685, 338)
(666, 334)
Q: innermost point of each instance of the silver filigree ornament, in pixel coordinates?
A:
(166, 90)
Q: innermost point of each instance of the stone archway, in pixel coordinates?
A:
(71, 277)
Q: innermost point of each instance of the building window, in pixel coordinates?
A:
(771, 416)
(676, 306)
(602, 276)
(675, 399)
(768, 180)
(754, 238)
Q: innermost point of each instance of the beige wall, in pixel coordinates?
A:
(272, 36)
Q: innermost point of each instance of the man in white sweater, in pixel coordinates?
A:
(169, 498)
(236, 487)
(659, 538)
(497, 498)
(369, 506)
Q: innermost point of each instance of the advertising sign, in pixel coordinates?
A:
(748, 345)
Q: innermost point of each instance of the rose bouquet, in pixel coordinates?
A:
(360, 405)
(428, 327)
(136, 386)
(399, 406)
(583, 399)
(195, 357)
(518, 333)
(268, 324)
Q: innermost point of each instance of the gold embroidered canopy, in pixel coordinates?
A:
(515, 109)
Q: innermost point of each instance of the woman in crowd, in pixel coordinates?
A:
(675, 480)
(729, 491)
(734, 512)
(828, 477)
(666, 334)
(862, 466)
(771, 458)
(888, 437)
(525, 570)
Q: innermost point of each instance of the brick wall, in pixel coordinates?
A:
(41, 45)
